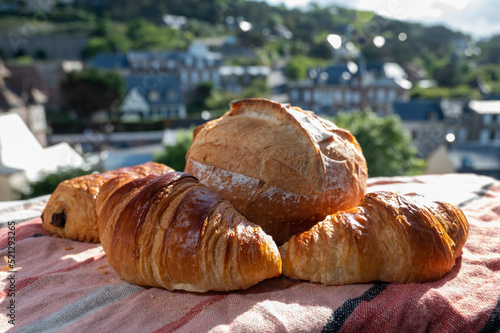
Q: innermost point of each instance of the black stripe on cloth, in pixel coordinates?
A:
(339, 316)
(493, 324)
(482, 192)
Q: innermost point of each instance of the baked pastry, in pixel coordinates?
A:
(388, 237)
(71, 211)
(282, 167)
(170, 231)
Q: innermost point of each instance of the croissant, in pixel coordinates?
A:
(388, 237)
(71, 211)
(171, 231)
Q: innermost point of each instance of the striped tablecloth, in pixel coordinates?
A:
(59, 285)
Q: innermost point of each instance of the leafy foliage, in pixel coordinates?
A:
(175, 156)
(386, 145)
(297, 67)
(48, 182)
(145, 35)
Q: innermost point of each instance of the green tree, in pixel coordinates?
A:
(112, 43)
(386, 146)
(90, 90)
(145, 35)
(175, 156)
(298, 66)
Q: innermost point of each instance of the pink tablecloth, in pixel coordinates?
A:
(67, 286)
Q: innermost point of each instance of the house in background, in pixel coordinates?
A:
(385, 87)
(198, 64)
(475, 147)
(429, 122)
(350, 86)
(483, 119)
(195, 66)
(236, 78)
(23, 91)
(152, 98)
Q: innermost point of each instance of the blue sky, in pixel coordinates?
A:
(480, 18)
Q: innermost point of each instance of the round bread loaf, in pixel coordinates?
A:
(282, 167)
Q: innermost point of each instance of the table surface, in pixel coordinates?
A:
(68, 286)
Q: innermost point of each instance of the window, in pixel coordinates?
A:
(153, 96)
(380, 95)
(370, 94)
(495, 119)
(337, 96)
(484, 136)
(392, 95)
(307, 95)
(488, 119)
(205, 76)
(462, 135)
(184, 77)
(347, 98)
(195, 78)
(355, 97)
(199, 63)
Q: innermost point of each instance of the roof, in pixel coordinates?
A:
(418, 110)
(387, 69)
(166, 86)
(485, 107)
(21, 84)
(109, 61)
(19, 149)
(332, 75)
(391, 82)
(8, 99)
(27, 82)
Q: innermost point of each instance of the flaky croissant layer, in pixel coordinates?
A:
(388, 237)
(171, 231)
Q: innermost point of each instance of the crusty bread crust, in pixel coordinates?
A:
(282, 167)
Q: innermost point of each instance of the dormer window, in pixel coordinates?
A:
(153, 96)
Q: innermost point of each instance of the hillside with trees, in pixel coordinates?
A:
(456, 62)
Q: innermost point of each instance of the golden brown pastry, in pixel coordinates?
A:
(388, 237)
(282, 167)
(171, 231)
(71, 211)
